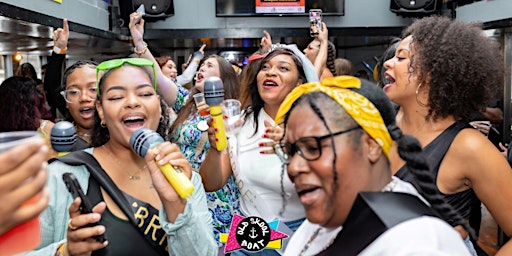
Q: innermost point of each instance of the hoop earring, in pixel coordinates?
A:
(102, 124)
(417, 92)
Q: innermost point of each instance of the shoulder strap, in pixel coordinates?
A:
(435, 151)
(77, 158)
(372, 214)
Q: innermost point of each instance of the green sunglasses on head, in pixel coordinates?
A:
(111, 64)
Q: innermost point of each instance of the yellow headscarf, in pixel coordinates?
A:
(357, 106)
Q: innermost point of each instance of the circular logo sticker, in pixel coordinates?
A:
(253, 234)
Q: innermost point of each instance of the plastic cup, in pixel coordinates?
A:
(201, 104)
(232, 116)
(25, 236)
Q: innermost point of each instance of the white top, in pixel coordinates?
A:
(436, 236)
(258, 176)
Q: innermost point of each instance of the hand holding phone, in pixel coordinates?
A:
(75, 190)
(315, 22)
(141, 10)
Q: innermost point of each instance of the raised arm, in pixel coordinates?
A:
(321, 58)
(53, 76)
(189, 73)
(166, 87)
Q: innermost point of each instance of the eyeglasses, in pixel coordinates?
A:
(73, 95)
(111, 64)
(308, 148)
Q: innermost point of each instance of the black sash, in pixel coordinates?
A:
(78, 158)
(371, 215)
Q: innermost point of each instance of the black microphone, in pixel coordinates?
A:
(63, 137)
(142, 140)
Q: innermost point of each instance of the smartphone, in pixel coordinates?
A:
(315, 20)
(141, 10)
(75, 190)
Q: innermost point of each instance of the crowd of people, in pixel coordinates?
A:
(348, 167)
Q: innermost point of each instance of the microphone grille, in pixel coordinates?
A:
(63, 136)
(143, 139)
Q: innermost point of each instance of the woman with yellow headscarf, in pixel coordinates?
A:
(338, 134)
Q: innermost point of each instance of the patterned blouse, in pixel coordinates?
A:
(222, 203)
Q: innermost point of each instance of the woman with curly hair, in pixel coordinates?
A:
(443, 72)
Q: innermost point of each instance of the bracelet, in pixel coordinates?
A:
(60, 250)
(58, 50)
(141, 52)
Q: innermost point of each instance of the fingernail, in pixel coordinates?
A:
(95, 217)
(264, 136)
(261, 144)
(158, 157)
(216, 130)
(262, 152)
(216, 140)
(161, 162)
(267, 130)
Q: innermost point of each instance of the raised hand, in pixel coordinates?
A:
(136, 28)
(274, 133)
(266, 41)
(61, 36)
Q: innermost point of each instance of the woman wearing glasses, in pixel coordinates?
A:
(79, 92)
(338, 161)
(74, 97)
(164, 223)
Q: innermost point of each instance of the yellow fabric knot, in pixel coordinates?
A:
(357, 106)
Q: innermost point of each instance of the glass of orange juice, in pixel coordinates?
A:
(201, 104)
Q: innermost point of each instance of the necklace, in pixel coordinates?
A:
(312, 238)
(134, 176)
(83, 134)
(389, 187)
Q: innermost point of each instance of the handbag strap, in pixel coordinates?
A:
(78, 158)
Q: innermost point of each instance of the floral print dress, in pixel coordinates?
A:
(222, 203)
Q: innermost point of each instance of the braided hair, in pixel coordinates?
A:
(409, 147)
(331, 57)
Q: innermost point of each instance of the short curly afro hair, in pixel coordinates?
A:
(462, 67)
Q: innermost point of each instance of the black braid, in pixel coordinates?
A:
(314, 106)
(409, 149)
(331, 57)
(283, 166)
(311, 100)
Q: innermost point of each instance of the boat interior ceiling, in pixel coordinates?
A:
(24, 30)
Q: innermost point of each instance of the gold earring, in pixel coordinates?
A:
(417, 92)
(102, 124)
